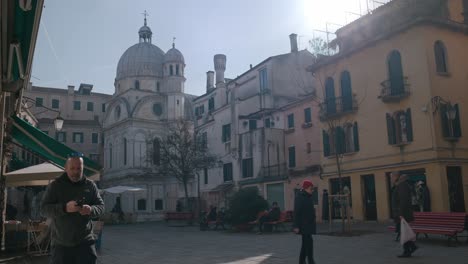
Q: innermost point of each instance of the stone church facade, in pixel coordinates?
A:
(149, 96)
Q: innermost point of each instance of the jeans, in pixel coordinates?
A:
(307, 250)
(82, 254)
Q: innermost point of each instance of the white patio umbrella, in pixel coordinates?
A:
(37, 175)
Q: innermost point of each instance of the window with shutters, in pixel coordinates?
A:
(226, 133)
(55, 103)
(450, 117)
(141, 204)
(247, 168)
(395, 72)
(399, 127)
(440, 54)
(292, 157)
(341, 140)
(346, 92)
(252, 124)
(307, 115)
(211, 104)
(227, 172)
(267, 122)
(290, 121)
(39, 101)
(330, 99)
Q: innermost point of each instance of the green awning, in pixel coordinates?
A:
(20, 25)
(46, 147)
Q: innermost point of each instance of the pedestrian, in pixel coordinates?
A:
(71, 201)
(402, 208)
(304, 221)
(270, 216)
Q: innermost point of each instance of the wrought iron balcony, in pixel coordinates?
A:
(337, 107)
(394, 92)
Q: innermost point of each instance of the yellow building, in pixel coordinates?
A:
(395, 99)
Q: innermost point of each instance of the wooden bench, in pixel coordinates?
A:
(448, 224)
(179, 216)
(278, 223)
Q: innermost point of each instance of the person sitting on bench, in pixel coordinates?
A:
(270, 216)
(212, 214)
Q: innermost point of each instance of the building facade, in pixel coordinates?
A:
(237, 119)
(149, 96)
(393, 100)
(82, 110)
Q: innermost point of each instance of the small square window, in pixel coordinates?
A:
(90, 106)
(39, 101)
(77, 137)
(76, 105)
(55, 103)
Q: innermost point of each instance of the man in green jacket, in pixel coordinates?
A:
(71, 201)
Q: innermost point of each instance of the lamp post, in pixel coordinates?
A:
(58, 122)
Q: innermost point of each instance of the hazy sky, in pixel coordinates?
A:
(82, 41)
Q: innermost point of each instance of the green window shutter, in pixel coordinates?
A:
(340, 140)
(445, 121)
(326, 143)
(409, 125)
(356, 137)
(391, 130)
(292, 157)
(307, 115)
(456, 123)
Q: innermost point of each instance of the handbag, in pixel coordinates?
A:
(407, 233)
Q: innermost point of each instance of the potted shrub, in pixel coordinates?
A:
(244, 207)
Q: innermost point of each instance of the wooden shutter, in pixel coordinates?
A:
(391, 129)
(326, 143)
(409, 125)
(445, 121)
(456, 123)
(356, 137)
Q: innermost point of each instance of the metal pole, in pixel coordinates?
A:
(2, 176)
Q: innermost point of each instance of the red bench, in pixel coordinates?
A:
(280, 222)
(448, 224)
(179, 216)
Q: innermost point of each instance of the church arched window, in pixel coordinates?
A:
(177, 69)
(158, 88)
(137, 85)
(156, 152)
(171, 70)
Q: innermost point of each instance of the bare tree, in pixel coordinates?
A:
(183, 153)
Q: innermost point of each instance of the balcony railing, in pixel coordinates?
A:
(337, 107)
(277, 170)
(394, 93)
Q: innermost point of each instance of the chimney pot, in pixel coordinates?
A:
(293, 40)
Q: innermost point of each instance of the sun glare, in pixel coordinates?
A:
(317, 13)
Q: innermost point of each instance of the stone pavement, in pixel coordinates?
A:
(157, 243)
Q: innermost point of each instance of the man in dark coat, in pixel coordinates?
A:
(304, 221)
(402, 208)
(71, 201)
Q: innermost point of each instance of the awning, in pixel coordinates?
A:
(222, 187)
(20, 24)
(46, 147)
(35, 175)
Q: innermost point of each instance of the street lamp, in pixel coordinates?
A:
(58, 122)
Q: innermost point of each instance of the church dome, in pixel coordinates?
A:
(174, 55)
(141, 59)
